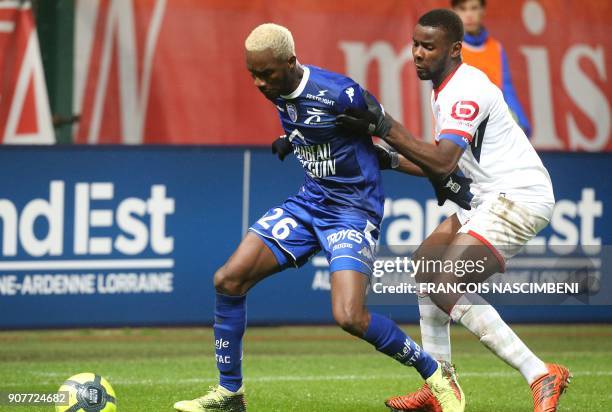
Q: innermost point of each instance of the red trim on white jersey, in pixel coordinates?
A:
(438, 89)
(461, 133)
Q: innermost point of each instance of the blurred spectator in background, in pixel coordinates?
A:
(487, 54)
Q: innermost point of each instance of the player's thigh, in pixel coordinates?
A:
(505, 226)
(251, 262)
(443, 234)
(467, 260)
(474, 260)
(434, 246)
(348, 294)
(288, 233)
(348, 241)
(493, 234)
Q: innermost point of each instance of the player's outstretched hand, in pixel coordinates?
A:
(455, 188)
(387, 158)
(372, 121)
(282, 147)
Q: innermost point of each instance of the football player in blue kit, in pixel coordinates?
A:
(338, 210)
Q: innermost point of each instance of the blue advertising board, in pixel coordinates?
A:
(113, 236)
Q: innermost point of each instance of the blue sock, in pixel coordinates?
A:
(230, 323)
(389, 339)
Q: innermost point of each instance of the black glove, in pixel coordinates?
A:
(372, 121)
(282, 147)
(387, 158)
(455, 188)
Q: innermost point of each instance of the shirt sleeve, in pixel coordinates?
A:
(350, 97)
(461, 115)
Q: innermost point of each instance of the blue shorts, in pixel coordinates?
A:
(298, 229)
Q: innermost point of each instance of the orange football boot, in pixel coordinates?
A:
(547, 389)
(424, 400)
(420, 401)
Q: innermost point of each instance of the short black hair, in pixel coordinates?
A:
(445, 19)
(455, 3)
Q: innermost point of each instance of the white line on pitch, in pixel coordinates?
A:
(298, 378)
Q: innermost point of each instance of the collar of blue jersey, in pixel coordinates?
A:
(296, 93)
(476, 39)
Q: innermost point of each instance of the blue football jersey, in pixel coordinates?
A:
(340, 169)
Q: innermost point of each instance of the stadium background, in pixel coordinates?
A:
(133, 142)
(139, 145)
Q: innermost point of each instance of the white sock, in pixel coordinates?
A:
(435, 329)
(483, 321)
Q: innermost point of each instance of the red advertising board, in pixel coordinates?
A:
(24, 106)
(157, 71)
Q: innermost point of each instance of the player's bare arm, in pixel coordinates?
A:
(409, 167)
(447, 184)
(436, 161)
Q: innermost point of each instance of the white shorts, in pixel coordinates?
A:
(503, 225)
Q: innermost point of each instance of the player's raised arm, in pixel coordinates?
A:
(352, 100)
(388, 158)
(438, 162)
(408, 167)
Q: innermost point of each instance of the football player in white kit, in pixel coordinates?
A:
(513, 200)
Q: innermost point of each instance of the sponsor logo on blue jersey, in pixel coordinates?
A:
(317, 160)
(340, 170)
(320, 97)
(292, 110)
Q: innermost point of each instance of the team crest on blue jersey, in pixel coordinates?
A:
(292, 110)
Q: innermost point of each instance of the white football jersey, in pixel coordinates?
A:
(498, 157)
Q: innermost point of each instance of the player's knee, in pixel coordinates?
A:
(352, 320)
(444, 301)
(229, 282)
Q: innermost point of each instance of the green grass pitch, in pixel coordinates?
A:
(295, 368)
